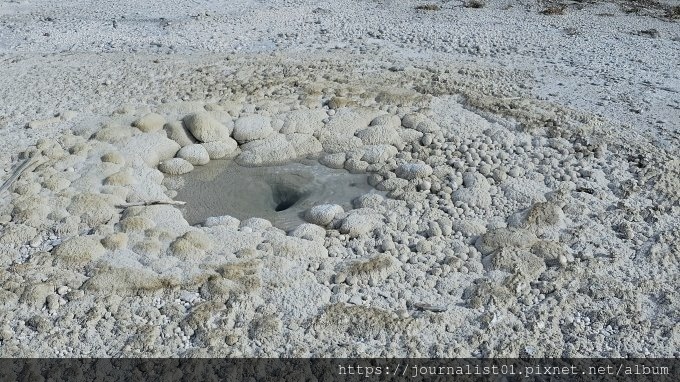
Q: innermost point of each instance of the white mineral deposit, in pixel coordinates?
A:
(339, 178)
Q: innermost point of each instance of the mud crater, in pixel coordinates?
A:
(279, 193)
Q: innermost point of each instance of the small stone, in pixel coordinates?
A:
(356, 224)
(411, 120)
(356, 166)
(36, 242)
(252, 127)
(424, 185)
(226, 220)
(256, 224)
(187, 296)
(118, 240)
(424, 247)
(149, 123)
(52, 302)
(369, 200)
(336, 160)
(175, 166)
(504, 237)
(323, 214)
(563, 260)
(195, 154)
(515, 172)
(221, 149)
(204, 127)
(427, 126)
(231, 340)
(340, 278)
(389, 120)
(113, 157)
(338, 102)
(177, 132)
(78, 251)
(6, 333)
(413, 170)
(310, 232)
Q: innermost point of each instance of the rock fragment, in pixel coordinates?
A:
(178, 133)
(505, 237)
(204, 127)
(78, 251)
(252, 127)
(413, 171)
(221, 149)
(175, 166)
(149, 122)
(195, 154)
(323, 214)
(358, 224)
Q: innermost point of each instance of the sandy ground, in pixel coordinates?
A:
(532, 203)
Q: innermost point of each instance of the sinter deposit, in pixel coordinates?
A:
(493, 181)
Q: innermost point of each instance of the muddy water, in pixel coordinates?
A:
(279, 194)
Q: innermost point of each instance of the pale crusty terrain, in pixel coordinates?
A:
(529, 163)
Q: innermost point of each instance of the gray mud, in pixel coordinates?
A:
(280, 194)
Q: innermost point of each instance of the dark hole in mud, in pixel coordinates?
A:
(285, 197)
(280, 194)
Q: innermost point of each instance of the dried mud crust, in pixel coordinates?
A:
(511, 226)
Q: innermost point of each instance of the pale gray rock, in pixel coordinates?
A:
(304, 144)
(178, 133)
(427, 126)
(252, 127)
(381, 134)
(503, 238)
(175, 166)
(336, 160)
(387, 120)
(356, 166)
(226, 221)
(151, 148)
(195, 154)
(413, 170)
(409, 135)
(256, 224)
(470, 227)
(369, 200)
(167, 218)
(204, 127)
(473, 197)
(274, 150)
(337, 143)
(305, 121)
(552, 252)
(149, 122)
(524, 191)
(227, 148)
(475, 180)
(475, 192)
(378, 153)
(359, 224)
(323, 214)
(311, 232)
(412, 120)
(392, 184)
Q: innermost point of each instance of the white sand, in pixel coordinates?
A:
(536, 203)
